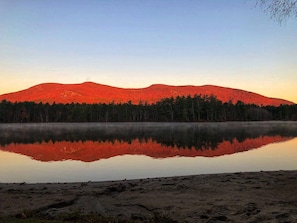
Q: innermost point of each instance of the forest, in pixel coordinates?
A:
(180, 109)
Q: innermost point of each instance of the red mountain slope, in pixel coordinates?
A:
(89, 92)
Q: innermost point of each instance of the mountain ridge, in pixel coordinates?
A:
(90, 92)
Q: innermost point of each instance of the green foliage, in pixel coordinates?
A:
(179, 109)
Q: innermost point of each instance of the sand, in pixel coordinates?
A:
(236, 197)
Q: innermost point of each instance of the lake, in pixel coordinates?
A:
(74, 152)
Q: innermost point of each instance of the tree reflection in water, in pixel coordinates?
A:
(90, 142)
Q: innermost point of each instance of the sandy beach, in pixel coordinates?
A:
(236, 197)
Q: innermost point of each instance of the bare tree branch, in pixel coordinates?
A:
(279, 10)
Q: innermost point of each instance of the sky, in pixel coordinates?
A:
(136, 43)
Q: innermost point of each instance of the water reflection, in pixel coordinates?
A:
(96, 141)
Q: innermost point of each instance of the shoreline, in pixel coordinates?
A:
(266, 196)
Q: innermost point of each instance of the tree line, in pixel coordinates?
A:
(180, 109)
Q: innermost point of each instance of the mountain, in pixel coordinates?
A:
(90, 92)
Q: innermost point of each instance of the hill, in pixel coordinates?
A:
(90, 92)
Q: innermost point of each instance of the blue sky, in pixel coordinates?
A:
(136, 43)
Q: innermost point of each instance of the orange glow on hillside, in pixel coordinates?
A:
(96, 93)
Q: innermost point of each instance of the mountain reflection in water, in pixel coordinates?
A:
(95, 141)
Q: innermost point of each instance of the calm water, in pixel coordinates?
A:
(114, 151)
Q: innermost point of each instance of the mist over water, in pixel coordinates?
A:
(71, 152)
